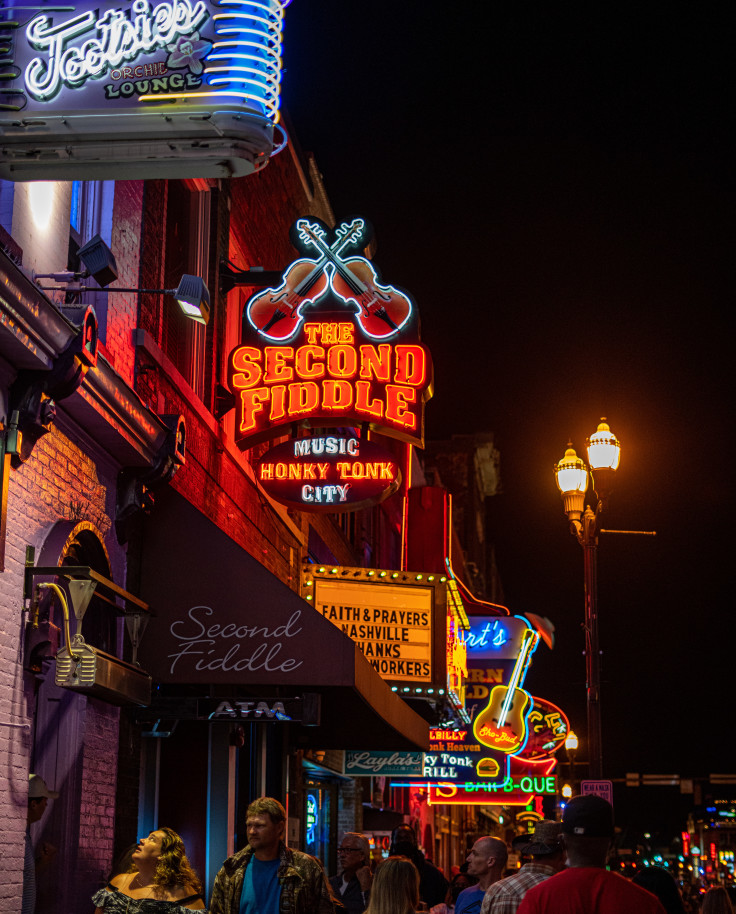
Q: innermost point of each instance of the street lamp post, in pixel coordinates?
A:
(571, 747)
(573, 477)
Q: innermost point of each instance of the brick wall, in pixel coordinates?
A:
(122, 307)
(58, 482)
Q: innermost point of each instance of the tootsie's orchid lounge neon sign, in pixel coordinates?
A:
(331, 345)
(86, 47)
(212, 68)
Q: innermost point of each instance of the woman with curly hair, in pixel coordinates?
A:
(160, 880)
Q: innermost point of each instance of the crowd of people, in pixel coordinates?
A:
(563, 872)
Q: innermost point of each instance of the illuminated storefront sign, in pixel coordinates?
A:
(391, 624)
(547, 728)
(524, 781)
(502, 723)
(329, 473)
(167, 74)
(394, 618)
(330, 348)
(382, 763)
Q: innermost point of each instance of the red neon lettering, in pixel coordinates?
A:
(304, 362)
(266, 471)
(251, 404)
(337, 395)
(276, 368)
(397, 405)
(342, 361)
(247, 371)
(375, 362)
(278, 403)
(372, 407)
(411, 365)
(281, 471)
(303, 398)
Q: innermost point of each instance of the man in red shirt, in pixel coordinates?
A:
(586, 885)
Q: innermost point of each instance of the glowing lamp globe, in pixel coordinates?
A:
(571, 741)
(571, 474)
(604, 449)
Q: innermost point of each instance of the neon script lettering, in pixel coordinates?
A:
(120, 37)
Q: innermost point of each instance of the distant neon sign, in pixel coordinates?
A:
(492, 634)
(332, 473)
(501, 725)
(524, 781)
(548, 727)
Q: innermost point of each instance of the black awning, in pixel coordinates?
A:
(222, 619)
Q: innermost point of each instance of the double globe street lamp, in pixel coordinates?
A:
(573, 479)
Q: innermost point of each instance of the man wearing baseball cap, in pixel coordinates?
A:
(586, 885)
(548, 858)
(38, 798)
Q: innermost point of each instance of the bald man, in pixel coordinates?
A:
(487, 862)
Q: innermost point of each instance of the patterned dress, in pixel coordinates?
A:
(113, 901)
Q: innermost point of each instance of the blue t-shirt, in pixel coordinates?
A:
(469, 900)
(261, 887)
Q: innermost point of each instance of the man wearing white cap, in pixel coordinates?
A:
(38, 798)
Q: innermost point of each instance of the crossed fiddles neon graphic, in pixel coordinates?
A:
(277, 314)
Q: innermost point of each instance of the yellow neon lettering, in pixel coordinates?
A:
(363, 404)
(398, 400)
(245, 365)
(305, 367)
(251, 404)
(276, 367)
(411, 365)
(376, 363)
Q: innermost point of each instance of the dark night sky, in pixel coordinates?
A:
(554, 186)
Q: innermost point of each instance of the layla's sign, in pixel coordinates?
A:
(383, 763)
(176, 70)
(332, 473)
(330, 346)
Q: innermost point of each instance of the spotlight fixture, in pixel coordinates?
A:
(99, 263)
(194, 298)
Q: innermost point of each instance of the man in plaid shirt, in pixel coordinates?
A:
(548, 858)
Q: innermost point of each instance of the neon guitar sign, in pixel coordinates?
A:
(381, 311)
(501, 725)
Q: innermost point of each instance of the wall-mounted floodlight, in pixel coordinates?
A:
(191, 293)
(99, 263)
(194, 298)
